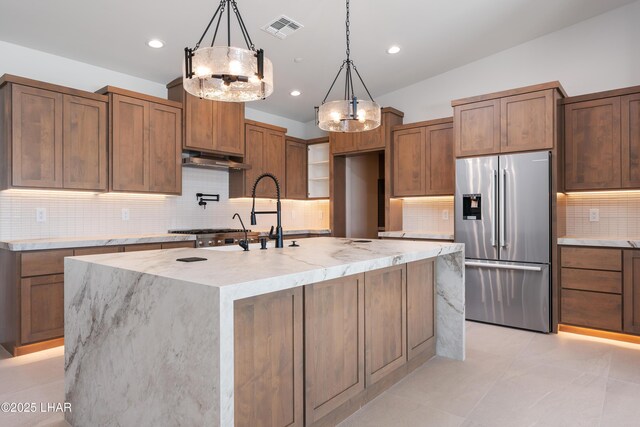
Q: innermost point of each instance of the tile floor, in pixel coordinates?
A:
(510, 378)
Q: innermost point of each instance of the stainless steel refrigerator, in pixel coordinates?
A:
(502, 215)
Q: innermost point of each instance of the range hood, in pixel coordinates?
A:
(213, 163)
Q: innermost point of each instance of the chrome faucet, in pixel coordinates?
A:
(277, 236)
(244, 244)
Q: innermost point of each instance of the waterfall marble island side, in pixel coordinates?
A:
(153, 341)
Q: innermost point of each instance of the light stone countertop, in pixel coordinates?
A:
(286, 232)
(599, 242)
(426, 235)
(83, 242)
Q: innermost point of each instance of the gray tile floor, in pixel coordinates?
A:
(510, 378)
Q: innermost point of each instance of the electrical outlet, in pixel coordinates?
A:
(125, 214)
(41, 214)
(445, 214)
(594, 215)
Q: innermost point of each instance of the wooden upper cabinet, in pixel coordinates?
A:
(593, 144)
(254, 145)
(274, 160)
(343, 142)
(630, 108)
(145, 142)
(477, 128)
(129, 144)
(85, 144)
(527, 121)
(372, 140)
(442, 174)
(296, 169)
(37, 129)
(410, 163)
(423, 161)
(165, 149)
(631, 292)
(210, 126)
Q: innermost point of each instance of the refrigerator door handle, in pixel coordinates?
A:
(503, 266)
(502, 218)
(494, 194)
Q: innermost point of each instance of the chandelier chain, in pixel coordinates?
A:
(348, 32)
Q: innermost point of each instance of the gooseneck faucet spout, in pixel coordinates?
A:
(277, 236)
(244, 244)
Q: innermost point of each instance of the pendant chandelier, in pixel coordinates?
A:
(349, 114)
(226, 73)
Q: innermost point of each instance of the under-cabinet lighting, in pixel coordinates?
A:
(604, 193)
(49, 193)
(425, 198)
(588, 334)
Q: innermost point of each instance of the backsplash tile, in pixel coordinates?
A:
(619, 214)
(425, 214)
(72, 214)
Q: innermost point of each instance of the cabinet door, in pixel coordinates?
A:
(296, 174)
(410, 163)
(37, 138)
(334, 344)
(420, 307)
(254, 148)
(477, 128)
(385, 317)
(268, 348)
(592, 145)
(343, 142)
(199, 116)
(631, 292)
(229, 128)
(165, 149)
(527, 122)
(130, 144)
(441, 165)
(42, 308)
(273, 162)
(631, 141)
(85, 144)
(371, 139)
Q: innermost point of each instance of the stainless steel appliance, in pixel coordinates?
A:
(218, 236)
(502, 208)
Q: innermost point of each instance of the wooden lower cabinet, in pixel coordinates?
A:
(385, 305)
(420, 307)
(334, 344)
(42, 308)
(592, 309)
(269, 360)
(631, 292)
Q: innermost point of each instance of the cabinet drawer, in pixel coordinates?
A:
(592, 280)
(592, 258)
(173, 245)
(592, 309)
(97, 250)
(144, 247)
(45, 262)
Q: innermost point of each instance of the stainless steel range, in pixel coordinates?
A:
(218, 236)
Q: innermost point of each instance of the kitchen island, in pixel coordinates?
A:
(293, 336)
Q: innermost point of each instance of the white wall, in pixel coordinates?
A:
(601, 53)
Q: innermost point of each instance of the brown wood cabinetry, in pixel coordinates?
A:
(210, 126)
(385, 305)
(423, 161)
(372, 140)
(54, 137)
(296, 168)
(344, 142)
(602, 140)
(42, 308)
(268, 335)
(145, 142)
(420, 307)
(334, 344)
(522, 119)
(631, 293)
(265, 151)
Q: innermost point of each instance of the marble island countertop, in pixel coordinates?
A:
(83, 242)
(604, 242)
(426, 235)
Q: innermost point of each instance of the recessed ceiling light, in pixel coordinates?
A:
(295, 93)
(393, 50)
(155, 43)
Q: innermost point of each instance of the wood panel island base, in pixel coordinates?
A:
(298, 336)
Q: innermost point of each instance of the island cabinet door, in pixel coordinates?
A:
(42, 308)
(385, 322)
(420, 300)
(631, 292)
(334, 344)
(268, 347)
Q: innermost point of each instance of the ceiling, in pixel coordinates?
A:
(435, 36)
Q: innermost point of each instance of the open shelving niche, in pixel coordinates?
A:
(318, 171)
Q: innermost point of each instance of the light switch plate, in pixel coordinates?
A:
(125, 214)
(41, 214)
(594, 215)
(445, 214)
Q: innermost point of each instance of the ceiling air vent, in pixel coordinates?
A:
(282, 26)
